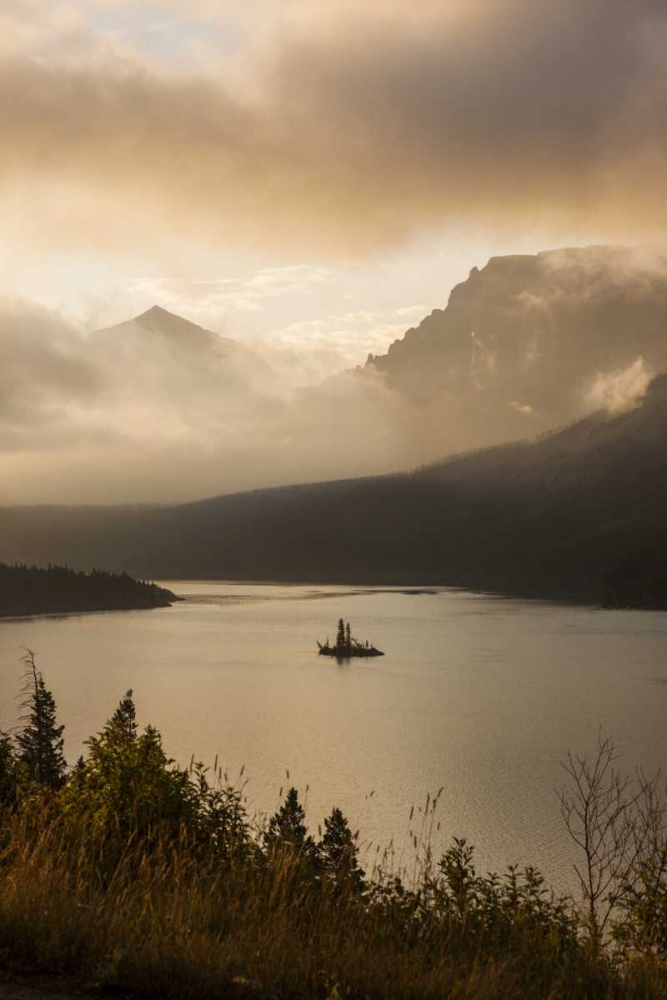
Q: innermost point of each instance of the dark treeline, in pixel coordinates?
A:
(32, 590)
(578, 515)
(141, 876)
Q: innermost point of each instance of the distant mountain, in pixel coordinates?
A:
(160, 408)
(578, 515)
(164, 329)
(525, 344)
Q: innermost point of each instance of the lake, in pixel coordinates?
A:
(477, 695)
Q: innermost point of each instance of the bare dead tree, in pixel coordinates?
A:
(603, 815)
(643, 905)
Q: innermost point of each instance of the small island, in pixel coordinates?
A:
(346, 645)
(58, 590)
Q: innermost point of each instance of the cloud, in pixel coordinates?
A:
(620, 391)
(523, 408)
(168, 412)
(343, 129)
(220, 297)
(272, 310)
(158, 409)
(46, 377)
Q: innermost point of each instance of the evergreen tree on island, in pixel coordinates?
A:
(346, 645)
(340, 634)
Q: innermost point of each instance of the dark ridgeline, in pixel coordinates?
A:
(579, 514)
(346, 645)
(31, 590)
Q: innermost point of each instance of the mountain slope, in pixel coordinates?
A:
(580, 514)
(529, 343)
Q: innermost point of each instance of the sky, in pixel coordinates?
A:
(316, 174)
(308, 177)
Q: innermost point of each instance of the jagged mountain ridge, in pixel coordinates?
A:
(516, 352)
(159, 408)
(522, 341)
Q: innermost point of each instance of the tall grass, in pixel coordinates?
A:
(164, 921)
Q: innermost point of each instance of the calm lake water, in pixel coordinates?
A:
(478, 695)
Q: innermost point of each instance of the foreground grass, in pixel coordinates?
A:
(165, 923)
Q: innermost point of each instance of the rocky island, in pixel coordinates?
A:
(346, 645)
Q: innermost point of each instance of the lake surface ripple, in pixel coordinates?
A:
(477, 695)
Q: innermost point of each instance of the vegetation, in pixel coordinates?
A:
(39, 745)
(31, 590)
(141, 876)
(346, 645)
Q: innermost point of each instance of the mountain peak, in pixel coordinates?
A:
(156, 315)
(168, 327)
(157, 312)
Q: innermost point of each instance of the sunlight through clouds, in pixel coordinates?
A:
(333, 144)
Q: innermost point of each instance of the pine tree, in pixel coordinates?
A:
(340, 635)
(40, 745)
(338, 854)
(122, 729)
(348, 638)
(287, 826)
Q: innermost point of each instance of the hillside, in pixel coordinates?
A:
(579, 515)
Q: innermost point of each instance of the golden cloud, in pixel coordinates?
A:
(350, 130)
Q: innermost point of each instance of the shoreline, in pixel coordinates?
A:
(348, 590)
(36, 615)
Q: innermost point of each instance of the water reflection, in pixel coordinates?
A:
(479, 695)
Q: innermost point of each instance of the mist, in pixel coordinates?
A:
(158, 409)
(134, 415)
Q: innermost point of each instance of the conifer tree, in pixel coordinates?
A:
(338, 854)
(348, 637)
(122, 729)
(40, 745)
(340, 635)
(288, 826)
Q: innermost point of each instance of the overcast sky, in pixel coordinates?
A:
(309, 178)
(317, 173)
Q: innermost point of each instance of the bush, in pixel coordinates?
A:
(139, 875)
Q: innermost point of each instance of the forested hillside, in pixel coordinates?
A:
(579, 514)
